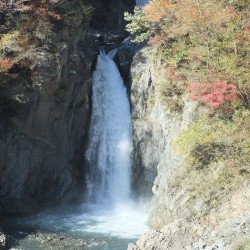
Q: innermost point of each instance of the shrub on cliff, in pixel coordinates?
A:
(28, 27)
(214, 138)
(5, 65)
(216, 164)
(214, 95)
(20, 34)
(205, 41)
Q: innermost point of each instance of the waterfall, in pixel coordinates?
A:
(109, 216)
(110, 139)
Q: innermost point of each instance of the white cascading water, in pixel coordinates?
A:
(109, 155)
(110, 145)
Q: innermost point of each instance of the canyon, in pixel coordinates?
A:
(45, 121)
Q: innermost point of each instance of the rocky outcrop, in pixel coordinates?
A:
(45, 109)
(43, 240)
(42, 143)
(226, 228)
(183, 216)
(154, 126)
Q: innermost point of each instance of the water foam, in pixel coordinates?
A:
(109, 156)
(110, 143)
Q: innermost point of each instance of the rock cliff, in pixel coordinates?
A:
(187, 212)
(45, 105)
(42, 140)
(154, 125)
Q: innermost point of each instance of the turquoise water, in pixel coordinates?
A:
(98, 228)
(93, 242)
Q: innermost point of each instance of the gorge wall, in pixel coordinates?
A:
(155, 126)
(44, 119)
(42, 144)
(189, 211)
(45, 106)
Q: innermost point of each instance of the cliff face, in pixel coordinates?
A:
(188, 212)
(154, 125)
(42, 143)
(45, 108)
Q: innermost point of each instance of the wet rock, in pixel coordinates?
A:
(2, 240)
(125, 55)
(56, 241)
(106, 38)
(180, 218)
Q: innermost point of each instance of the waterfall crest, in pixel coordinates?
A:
(110, 139)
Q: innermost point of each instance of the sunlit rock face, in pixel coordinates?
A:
(154, 126)
(185, 214)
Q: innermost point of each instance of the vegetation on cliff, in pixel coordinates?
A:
(202, 41)
(30, 41)
(204, 48)
(27, 29)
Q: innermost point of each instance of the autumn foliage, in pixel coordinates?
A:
(38, 7)
(25, 24)
(155, 11)
(5, 65)
(178, 18)
(200, 41)
(215, 94)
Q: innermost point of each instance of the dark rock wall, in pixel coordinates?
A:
(108, 14)
(45, 119)
(42, 150)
